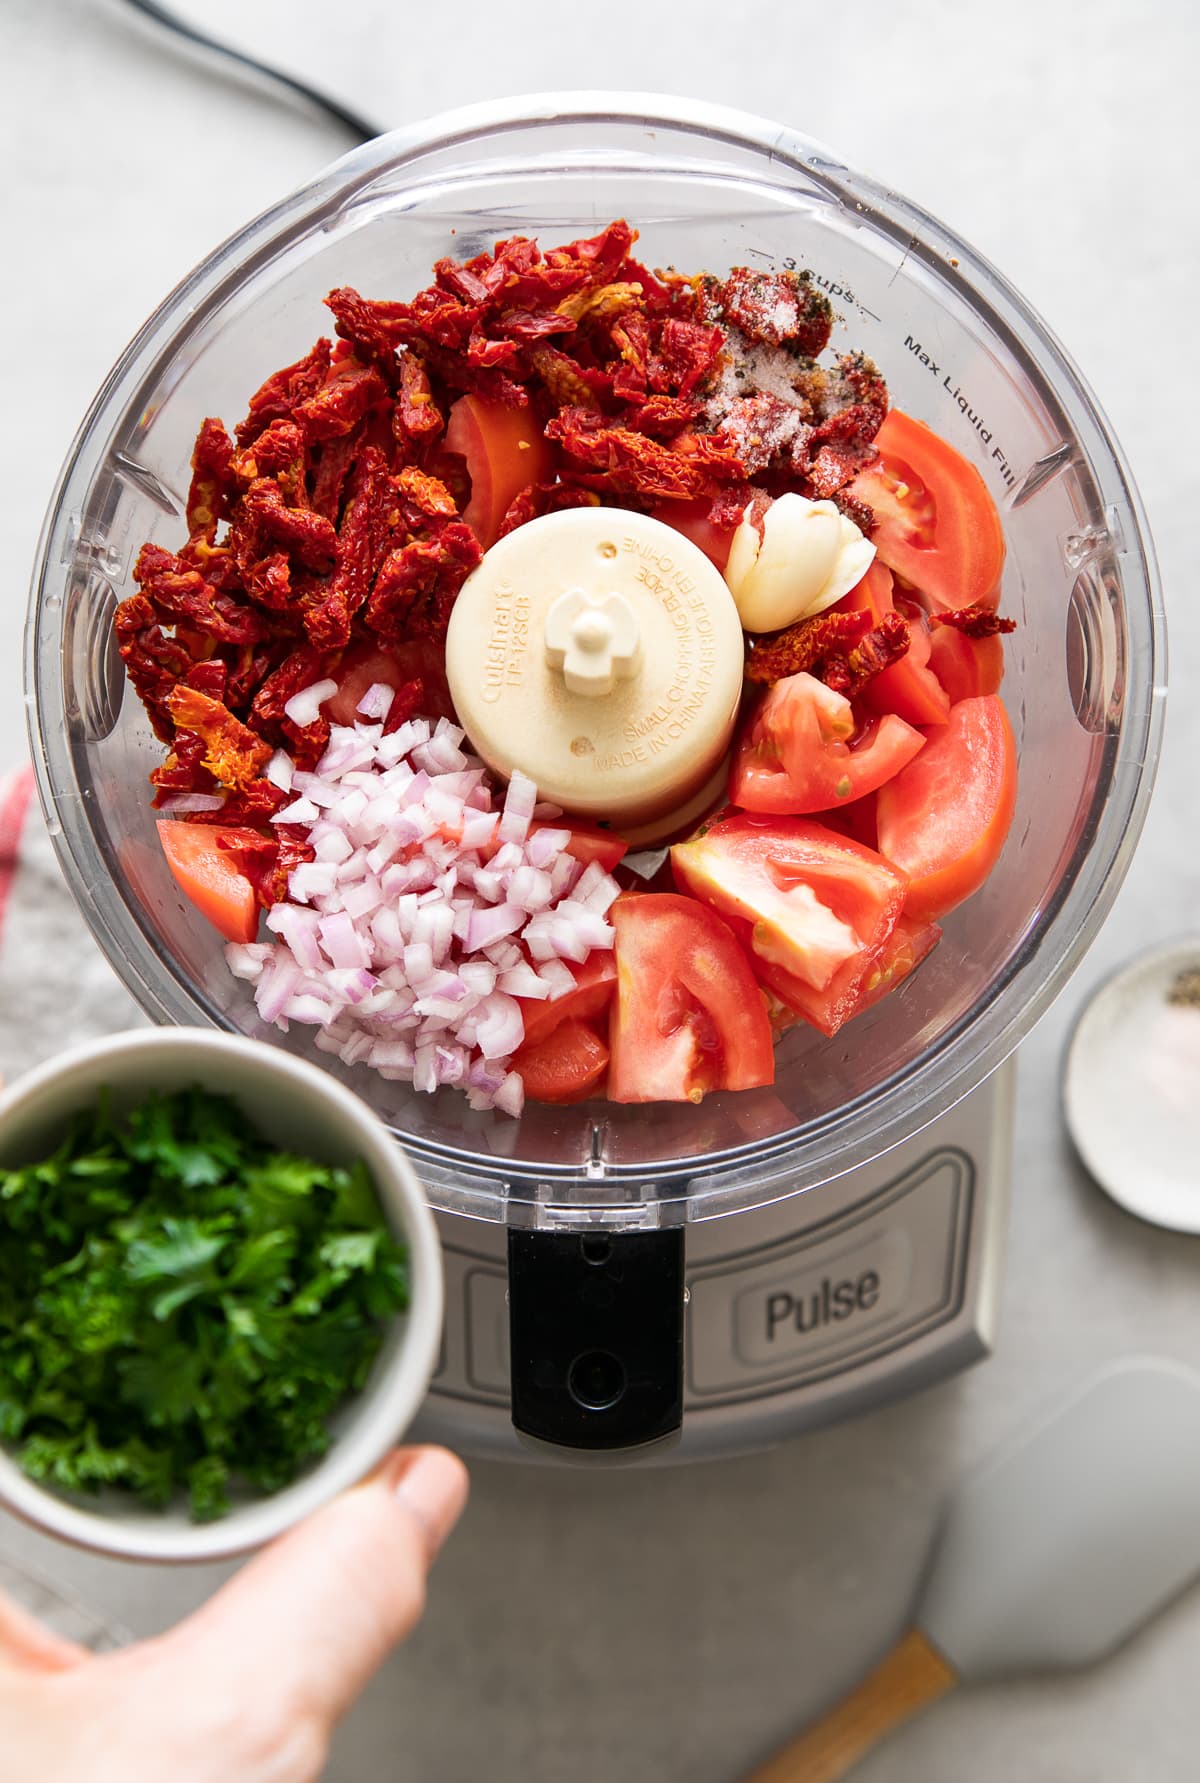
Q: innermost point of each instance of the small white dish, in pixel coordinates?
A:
(1131, 1086)
(295, 1105)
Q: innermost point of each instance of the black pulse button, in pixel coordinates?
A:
(596, 1332)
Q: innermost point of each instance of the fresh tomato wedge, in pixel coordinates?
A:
(943, 819)
(567, 1066)
(595, 981)
(505, 451)
(909, 688)
(966, 667)
(363, 665)
(688, 1016)
(902, 953)
(796, 755)
(588, 843)
(814, 908)
(936, 523)
(207, 875)
(691, 519)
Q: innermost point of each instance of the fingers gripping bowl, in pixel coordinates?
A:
(706, 190)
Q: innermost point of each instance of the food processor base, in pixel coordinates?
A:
(814, 1308)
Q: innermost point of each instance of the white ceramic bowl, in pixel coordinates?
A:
(295, 1105)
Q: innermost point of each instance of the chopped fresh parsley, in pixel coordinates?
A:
(183, 1306)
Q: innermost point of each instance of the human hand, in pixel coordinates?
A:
(251, 1686)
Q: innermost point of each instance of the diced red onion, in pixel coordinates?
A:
(182, 802)
(279, 770)
(342, 941)
(522, 981)
(500, 1027)
(510, 1097)
(563, 874)
(595, 889)
(299, 811)
(529, 888)
(519, 802)
(363, 898)
(304, 708)
(313, 879)
(418, 963)
(493, 924)
(404, 948)
(558, 976)
(281, 977)
(503, 954)
(478, 829)
(544, 846)
(308, 1008)
(330, 844)
(247, 959)
(377, 701)
(297, 929)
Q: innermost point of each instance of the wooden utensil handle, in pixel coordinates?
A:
(911, 1676)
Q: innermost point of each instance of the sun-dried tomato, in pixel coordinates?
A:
(180, 593)
(263, 514)
(425, 494)
(284, 390)
(331, 468)
(367, 326)
(208, 677)
(341, 402)
(841, 444)
(183, 770)
(417, 584)
(268, 861)
(246, 670)
(974, 622)
(601, 303)
(406, 704)
(885, 644)
(279, 452)
(371, 515)
(686, 355)
(254, 805)
(779, 309)
(269, 582)
(416, 416)
(801, 646)
(233, 754)
(621, 461)
(153, 661)
(523, 507)
(663, 416)
(301, 669)
(213, 481)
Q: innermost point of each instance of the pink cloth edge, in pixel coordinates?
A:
(16, 793)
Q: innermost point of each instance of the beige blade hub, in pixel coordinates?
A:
(600, 652)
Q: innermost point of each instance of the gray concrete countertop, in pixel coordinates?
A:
(678, 1624)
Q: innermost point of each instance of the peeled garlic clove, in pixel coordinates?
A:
(808, 556)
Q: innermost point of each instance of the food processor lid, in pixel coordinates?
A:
(737, 174)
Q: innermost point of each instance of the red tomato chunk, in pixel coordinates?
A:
(689, 1016)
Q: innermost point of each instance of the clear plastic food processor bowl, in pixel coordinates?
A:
(706, 189)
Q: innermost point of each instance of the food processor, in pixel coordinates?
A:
(665, 1281)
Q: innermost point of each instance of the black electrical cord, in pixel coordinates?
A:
(237, 62)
